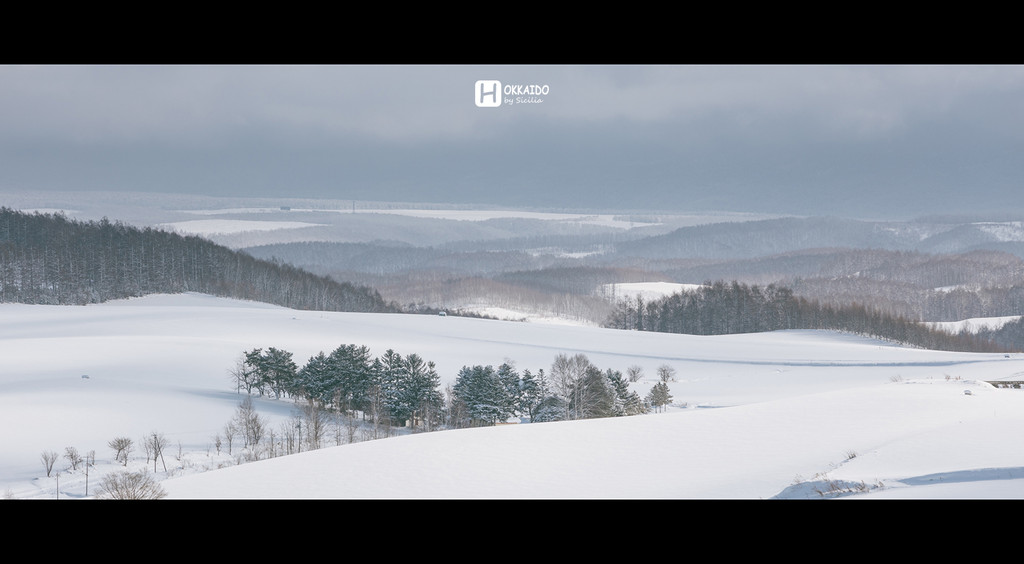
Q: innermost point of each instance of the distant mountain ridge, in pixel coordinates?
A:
(783, 235)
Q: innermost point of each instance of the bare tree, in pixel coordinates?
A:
(271, 444)
(230, 432)
(378, 413)
(635, 373)
(130, 485)
(567, 375)
(243, 375)
(290, 431)
(316, 419)
(71, 454)
(49, 458)
(351, 427)
(666, 373)
(122, 447)
(250, 423)
(147, 448)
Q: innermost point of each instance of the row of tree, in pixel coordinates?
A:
(574, 389)
(50, 259)
(406, 390)
(720, 308)
(398, 389)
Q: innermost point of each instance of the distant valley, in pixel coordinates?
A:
(558, 263)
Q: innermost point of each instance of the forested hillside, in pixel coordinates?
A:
(912, 284)
(721, 308)
(50, 259)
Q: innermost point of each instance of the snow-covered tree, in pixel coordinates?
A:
(628, 402)
(659, 396)
(352, 375)
(314, 381)
(272, 370)
(421, 393)
(479, 390)
(391, 378)
(511, 390)
(549, 409)
(533, 390)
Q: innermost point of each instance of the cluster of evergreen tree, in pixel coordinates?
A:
(401, 390)
(573, 389)
(392, 388)
(720, 308)
(50, 259)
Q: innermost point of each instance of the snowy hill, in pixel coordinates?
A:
(787, 414)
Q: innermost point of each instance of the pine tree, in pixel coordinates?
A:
(392, 378)
(479, 390)
(533, 391)
(510, 392)
(272, 370)
(281, 371)
(551, 408)
(421, 395)
(314, 380)
(659, 396)
(351, 376)
(627, 402)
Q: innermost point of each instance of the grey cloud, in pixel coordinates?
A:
(799, 138)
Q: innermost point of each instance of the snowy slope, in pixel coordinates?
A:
(756, 416)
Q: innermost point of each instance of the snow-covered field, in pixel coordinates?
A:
(794, 414)
(975, 324)
(646, 290)
(607, 220)
(229, 226)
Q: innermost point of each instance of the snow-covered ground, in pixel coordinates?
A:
(974, 324)
(506, 314)
(206, 227)
(646, 290)
(607, 220)
(785, 414)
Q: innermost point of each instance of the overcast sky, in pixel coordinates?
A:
(844, 140)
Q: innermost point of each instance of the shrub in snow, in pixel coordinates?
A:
(130, 485)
